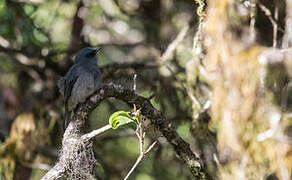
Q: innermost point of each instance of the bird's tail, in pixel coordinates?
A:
(67, 117)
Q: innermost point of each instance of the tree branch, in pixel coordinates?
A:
(73, 143)
(181, 147)
(55, 173)
(92, 134)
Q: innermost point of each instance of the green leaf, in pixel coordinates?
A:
(120, 118)
(132, 125)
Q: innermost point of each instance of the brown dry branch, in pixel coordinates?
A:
(77, 159)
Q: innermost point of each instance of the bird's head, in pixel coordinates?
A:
(86, 54)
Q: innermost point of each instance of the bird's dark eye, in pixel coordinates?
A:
(91, 53)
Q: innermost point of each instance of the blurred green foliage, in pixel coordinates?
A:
(38, 41)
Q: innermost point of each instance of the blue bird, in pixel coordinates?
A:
(82, 79)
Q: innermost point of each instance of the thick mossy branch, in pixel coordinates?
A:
(181, 147)
(73, 135)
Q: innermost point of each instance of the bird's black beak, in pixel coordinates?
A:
(97, 50)
(92, 52)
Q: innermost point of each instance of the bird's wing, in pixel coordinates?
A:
(68, 88)
(83, 87)
(69, 82)
(97, 78)
(96, 74)
(61, 84)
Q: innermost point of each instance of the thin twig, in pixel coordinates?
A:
(275, 26)
(134, 166)
(139, 159)
(150, 147)
(269, 14)
(135, 85)
(96, 132)
(252, 22)
(140, 133)
(186, 88)
(41, 166)
(172, 46)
